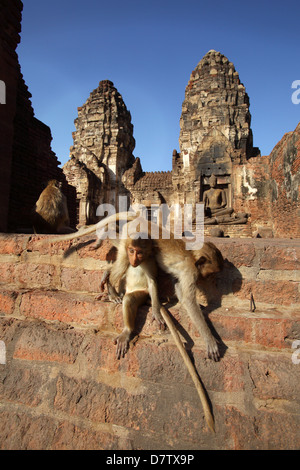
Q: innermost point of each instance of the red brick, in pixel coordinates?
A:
(21, 431)
(7, 273)
(7, 302)
(227, 375)
(100, 354)
(9, 329)
(272, 332)
(80, 280)
(271, 292)
(278, 257)
(239, 253)
(35, 275)
(106, 252)
(231, 327)
(69, 436)
(85, 398)
(27, 275)
(23, 386)
(240, 430)
(41, 342)
(42, 244)
(64, 307)
(277, 429)
(274, 376)
(12, 244)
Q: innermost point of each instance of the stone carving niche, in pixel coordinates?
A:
(214, 167)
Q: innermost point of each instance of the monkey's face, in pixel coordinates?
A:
(136, 255)
(207, 269)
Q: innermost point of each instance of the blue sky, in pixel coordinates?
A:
(149, 49)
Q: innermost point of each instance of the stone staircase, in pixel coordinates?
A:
(62, 379)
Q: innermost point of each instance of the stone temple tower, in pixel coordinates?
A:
(102, 151)
(216, 102)
(215, 133)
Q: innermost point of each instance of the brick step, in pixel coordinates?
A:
(267, 269)
(268, 327)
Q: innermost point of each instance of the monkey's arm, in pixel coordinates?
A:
(150, 270)
(113, 296)
(104, 279)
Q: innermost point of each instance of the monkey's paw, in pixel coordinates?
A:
(212, 349)
(156, 316)
(122, 342)
(104, 297)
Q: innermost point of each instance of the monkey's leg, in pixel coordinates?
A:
(131, 302)
(156, 315)
(186, 293)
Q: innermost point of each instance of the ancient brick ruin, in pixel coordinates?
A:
(102, 151)
(215, 140)
(61, 386)
(27, 160)
(252, 195)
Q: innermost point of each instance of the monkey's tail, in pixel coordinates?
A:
(93, 228)
(206, 408)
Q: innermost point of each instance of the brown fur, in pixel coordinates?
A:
(50, 214)
(186, 266)
(134, 286)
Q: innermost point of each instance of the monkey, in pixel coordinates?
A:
(190, 267)
(50, 213)
(135, 271)
(187, 267)
(138, 255)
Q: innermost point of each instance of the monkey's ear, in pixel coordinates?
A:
(201, 260)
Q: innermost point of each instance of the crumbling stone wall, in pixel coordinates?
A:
(61, 386)
(269, 189)
(10, 21)
(33, 163)
(27, 160)
(285, 185)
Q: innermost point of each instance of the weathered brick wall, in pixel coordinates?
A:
(33, 164)
(26, 158)
(285, 176)
(252, 187)
(63, 388)
(10, 27)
